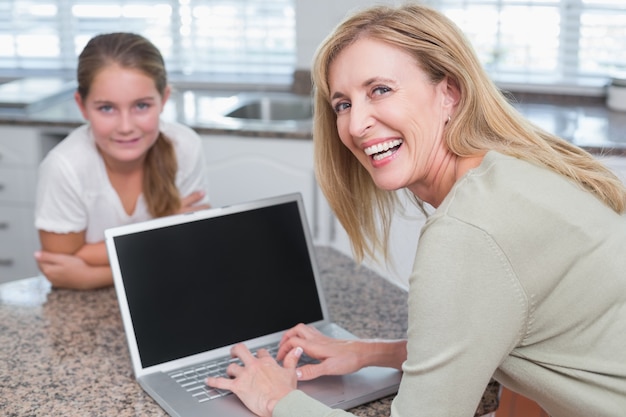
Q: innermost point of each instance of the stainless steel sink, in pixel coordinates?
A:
(274, 108)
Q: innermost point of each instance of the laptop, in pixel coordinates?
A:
(192, 285)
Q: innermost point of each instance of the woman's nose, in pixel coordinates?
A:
(361, 119)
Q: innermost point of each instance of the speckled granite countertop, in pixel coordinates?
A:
(64, 353)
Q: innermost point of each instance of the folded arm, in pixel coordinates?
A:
(68, 262)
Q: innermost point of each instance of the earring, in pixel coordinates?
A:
(449, 119)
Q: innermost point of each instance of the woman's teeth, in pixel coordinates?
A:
(382, 150)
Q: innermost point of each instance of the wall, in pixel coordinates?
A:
(316, 19)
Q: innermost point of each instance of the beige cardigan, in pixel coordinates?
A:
(519, 274)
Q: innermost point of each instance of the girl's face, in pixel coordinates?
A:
(390, 115)
(123, 108)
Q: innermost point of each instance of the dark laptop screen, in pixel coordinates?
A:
(196, 286)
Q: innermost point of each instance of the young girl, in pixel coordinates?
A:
(124, 166)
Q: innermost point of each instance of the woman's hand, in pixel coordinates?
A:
(189, 203)
(261, 382)
(337, 357)
(340, 357)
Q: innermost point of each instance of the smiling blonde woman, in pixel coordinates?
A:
(519, 273)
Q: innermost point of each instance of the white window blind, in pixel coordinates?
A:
(541, 42)
(194, 36)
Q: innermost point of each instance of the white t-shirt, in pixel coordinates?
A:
(74, 192)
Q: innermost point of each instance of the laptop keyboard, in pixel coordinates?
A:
(192, 379)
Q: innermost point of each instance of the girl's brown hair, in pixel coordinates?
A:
(130, 50)
(484, 120)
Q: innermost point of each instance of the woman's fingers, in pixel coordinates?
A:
(262, 353)
(292, 358)
(220, 383)
(259, 381)
(242, 352)
(309, 372)
(287, 346)
(300, 335)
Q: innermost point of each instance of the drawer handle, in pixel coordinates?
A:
(2, 187)
(4, 225)
(6, 262)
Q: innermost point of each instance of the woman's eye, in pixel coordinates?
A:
(143, 106)
(380, 90)
(339, 107)
(105, 108)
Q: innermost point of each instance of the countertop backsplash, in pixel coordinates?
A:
(585, 121)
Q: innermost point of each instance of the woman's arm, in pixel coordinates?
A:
(466, 313)
(385, 353)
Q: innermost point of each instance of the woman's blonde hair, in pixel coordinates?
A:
(130, 50)
(484, 120)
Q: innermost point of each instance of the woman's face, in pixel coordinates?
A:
(390, 115)
(123, 108)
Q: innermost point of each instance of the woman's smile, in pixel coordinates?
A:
(383, 150)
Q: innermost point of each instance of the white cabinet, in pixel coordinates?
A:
(405, 228)
(19, 153)
(241, 169)
(19, 157)
(21, 150)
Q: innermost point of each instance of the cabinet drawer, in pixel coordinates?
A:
(18, 241)
(17, 184)
(19, 147)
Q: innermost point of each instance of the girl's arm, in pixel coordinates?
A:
(68, 262)
(94, 254)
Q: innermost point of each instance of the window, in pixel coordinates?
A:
(565, 43)
(194, 36)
